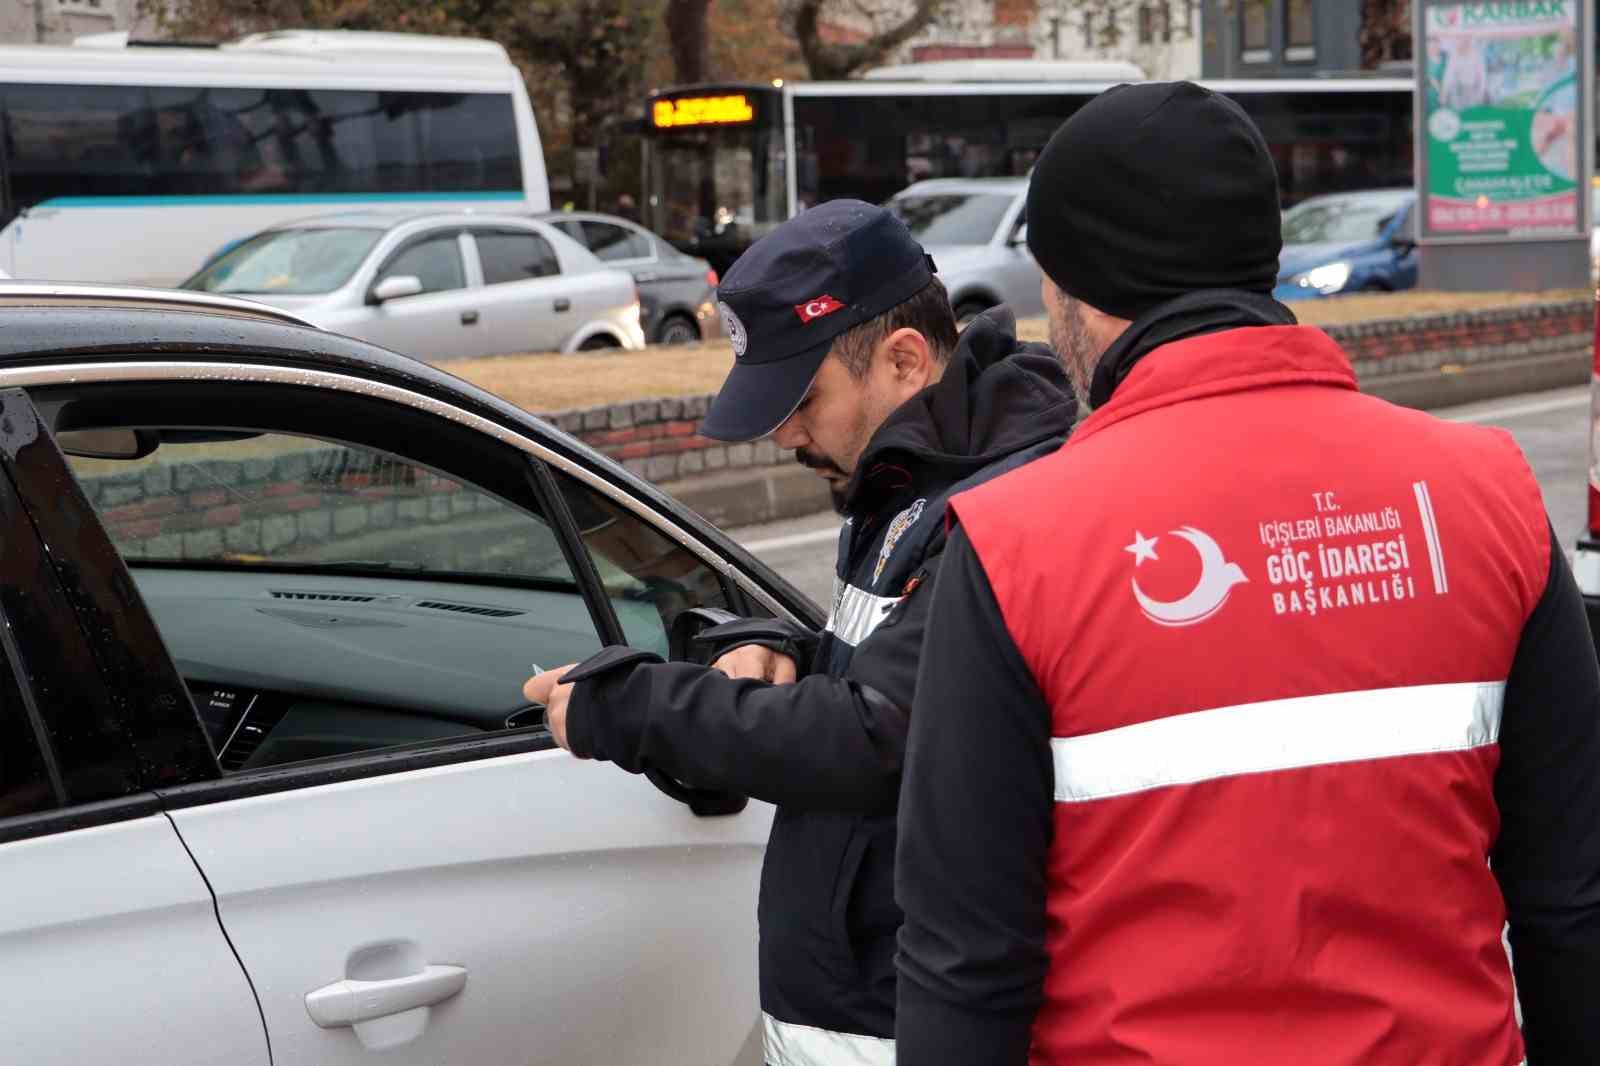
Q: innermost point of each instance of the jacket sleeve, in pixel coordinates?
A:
(976, 816)
(1547, 858)
(824, 743)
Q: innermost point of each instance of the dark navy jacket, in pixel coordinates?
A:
(827, 750)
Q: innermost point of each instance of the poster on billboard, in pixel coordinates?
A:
(1502, 137)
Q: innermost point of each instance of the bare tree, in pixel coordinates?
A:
(834, 60)
(686, 38)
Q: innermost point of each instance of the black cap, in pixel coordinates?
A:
(823, 272)
(1151, 191)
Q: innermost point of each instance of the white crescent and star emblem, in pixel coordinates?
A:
(736, 331)
(1217, 578)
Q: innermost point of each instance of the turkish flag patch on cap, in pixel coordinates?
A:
(815, 309)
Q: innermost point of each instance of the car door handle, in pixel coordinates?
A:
(352, 1002)
(643, 278)
(469, 318)
(563, 305)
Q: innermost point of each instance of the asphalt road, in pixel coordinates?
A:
(1551, 427)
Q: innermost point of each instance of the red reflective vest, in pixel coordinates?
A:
(1273, 619)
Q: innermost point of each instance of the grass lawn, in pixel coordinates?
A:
(546, 382)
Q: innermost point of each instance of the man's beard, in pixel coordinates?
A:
(824, 465)
(1076, 348)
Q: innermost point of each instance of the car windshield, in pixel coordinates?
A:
(1330, 219)
(952, 218)
(289, 262)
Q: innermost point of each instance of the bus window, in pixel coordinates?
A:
(78, 140)
(469, 140)
(95, 140)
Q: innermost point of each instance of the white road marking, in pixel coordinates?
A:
(1518, 410)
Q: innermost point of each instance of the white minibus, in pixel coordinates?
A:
(135, 162)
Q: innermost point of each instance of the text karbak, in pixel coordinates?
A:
(703, 111)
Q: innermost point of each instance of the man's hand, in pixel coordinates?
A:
(546, 688)
(759, 663)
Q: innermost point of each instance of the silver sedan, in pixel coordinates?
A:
(976, 231)
(435, 286)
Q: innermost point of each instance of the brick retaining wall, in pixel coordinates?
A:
(304, 501)
(657, 439)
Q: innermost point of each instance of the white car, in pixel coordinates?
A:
(435, 286)
(976, 230)
(269, 791)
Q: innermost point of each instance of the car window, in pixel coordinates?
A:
(639, 565)
(515, 257)
(1340, 219)
(952, 218)
(24, 783)
(286, 262)
(323, 598)
(435, 261)
(610, 242)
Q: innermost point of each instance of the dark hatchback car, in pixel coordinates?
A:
(677, 292)
(267, 600)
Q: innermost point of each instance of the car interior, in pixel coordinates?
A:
(338, 578)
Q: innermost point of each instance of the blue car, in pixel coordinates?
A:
(1348, 242)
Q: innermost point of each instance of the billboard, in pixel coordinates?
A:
(1503, 141)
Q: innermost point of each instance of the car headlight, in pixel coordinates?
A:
(1326, 279)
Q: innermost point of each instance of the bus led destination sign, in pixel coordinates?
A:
(729, 110)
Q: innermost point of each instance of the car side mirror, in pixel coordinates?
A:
(108, 443)
(1404, 236)
(395, 287)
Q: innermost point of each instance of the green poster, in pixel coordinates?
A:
(1502, 117)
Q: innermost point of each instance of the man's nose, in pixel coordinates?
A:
(790, 436)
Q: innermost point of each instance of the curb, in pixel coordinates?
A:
(771, 493)
(754, 495)
(1450, 385)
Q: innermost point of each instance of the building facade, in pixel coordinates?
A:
(1162, 37)
(59, 21)
(1280, 38)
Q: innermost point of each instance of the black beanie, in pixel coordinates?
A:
(1151, 191)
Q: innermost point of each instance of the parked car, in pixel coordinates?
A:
(435, 286)
(1348, 242)
(677, 292)
(975, 229)
(269, 595)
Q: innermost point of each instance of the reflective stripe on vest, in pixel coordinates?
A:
(1252, 738)
(857, 613)
(789, 1044)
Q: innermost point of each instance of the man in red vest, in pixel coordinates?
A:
(1247, 720)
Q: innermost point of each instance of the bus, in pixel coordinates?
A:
(122, 162)
(725, 163)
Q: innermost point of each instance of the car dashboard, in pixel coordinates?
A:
(287, 666)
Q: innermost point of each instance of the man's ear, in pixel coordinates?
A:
(909, 359)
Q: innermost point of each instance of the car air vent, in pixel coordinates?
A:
(327, 597)
(469, 608)
(257, 721)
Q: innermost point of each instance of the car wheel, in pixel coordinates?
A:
(598, 342)
(678, 330)
(967, 310)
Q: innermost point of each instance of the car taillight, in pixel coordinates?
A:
(711, 278)
(1594, 433)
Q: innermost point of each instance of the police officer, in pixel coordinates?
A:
(1248, 718)
(845, 351)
